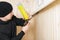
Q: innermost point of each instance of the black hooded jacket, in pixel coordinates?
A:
(8, 29)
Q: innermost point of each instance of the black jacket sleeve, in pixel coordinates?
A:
(18, 37)
(20, 21)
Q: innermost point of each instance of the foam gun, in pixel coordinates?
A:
(24, 13)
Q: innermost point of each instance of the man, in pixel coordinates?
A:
(8, 23)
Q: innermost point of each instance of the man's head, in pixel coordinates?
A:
(6, 10)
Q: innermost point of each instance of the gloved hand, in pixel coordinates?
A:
(25, 23)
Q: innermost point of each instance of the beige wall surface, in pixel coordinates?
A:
(48, 22)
